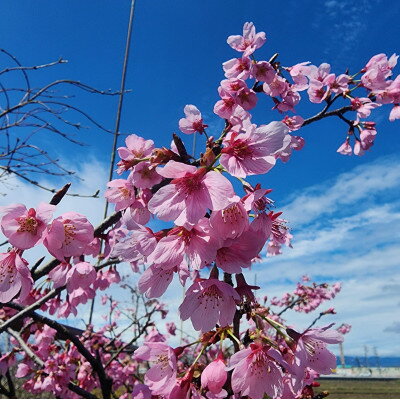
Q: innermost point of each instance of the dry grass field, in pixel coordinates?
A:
(360, 389)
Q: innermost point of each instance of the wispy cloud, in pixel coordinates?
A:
(345, 20)
(395, 327)
(366, 183)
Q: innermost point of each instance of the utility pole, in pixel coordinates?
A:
(378, 360)
(342, 360)
(366, 356)
(117, 120)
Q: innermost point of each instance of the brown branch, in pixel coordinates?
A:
(11, 386)
(107, 223)
(324, 114)
(24, 312)
(25, 347)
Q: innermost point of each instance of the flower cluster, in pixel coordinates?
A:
(215, 226)
(307, 297)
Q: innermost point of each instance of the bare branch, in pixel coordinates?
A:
(34, 67)
(35, 183)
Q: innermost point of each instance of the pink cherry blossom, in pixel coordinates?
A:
(358, 148)
(141, 391)
(154, 336)
(225, 107)
(263, 71)
(240, 119)
(312, 351)
(246, 98)
(141, 243)
(390, 93)
(289, 100)
(230, 222)
(80, 295)
(193, 122)
(374, 79)
(68, 235)
(66, 309)
(136, 149)
(319, 73)
(15, 277)
(138, 212)
(93, 248)
(378, 68)
(255, 372)
(184, 388)
(121, 192)
(257, 201)
(191, 192)
(249, 42)
(337, 84)
(237, 68)
(367, 137)
(214, 377)
(279, 231)
(59, 274)
(238, 90)
(299, 73)
(363, 106)
(171, 328)
(295, 143)
(23, 369)
(344, 329)
(252, 152)
(345, 148)
(394, 113)
(161, 377)
(155, 281)
(193, 242)
(233, 85)
(381, 61)
(316, 91)
(235, 254)
(209, 302)
(277, 87)
(262, 223)
(23, 228)
(81, 275)
(144, 175)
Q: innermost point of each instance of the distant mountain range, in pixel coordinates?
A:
(373, 361)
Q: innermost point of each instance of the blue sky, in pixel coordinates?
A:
(343, 210)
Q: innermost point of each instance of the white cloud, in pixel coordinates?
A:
(365, 183)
